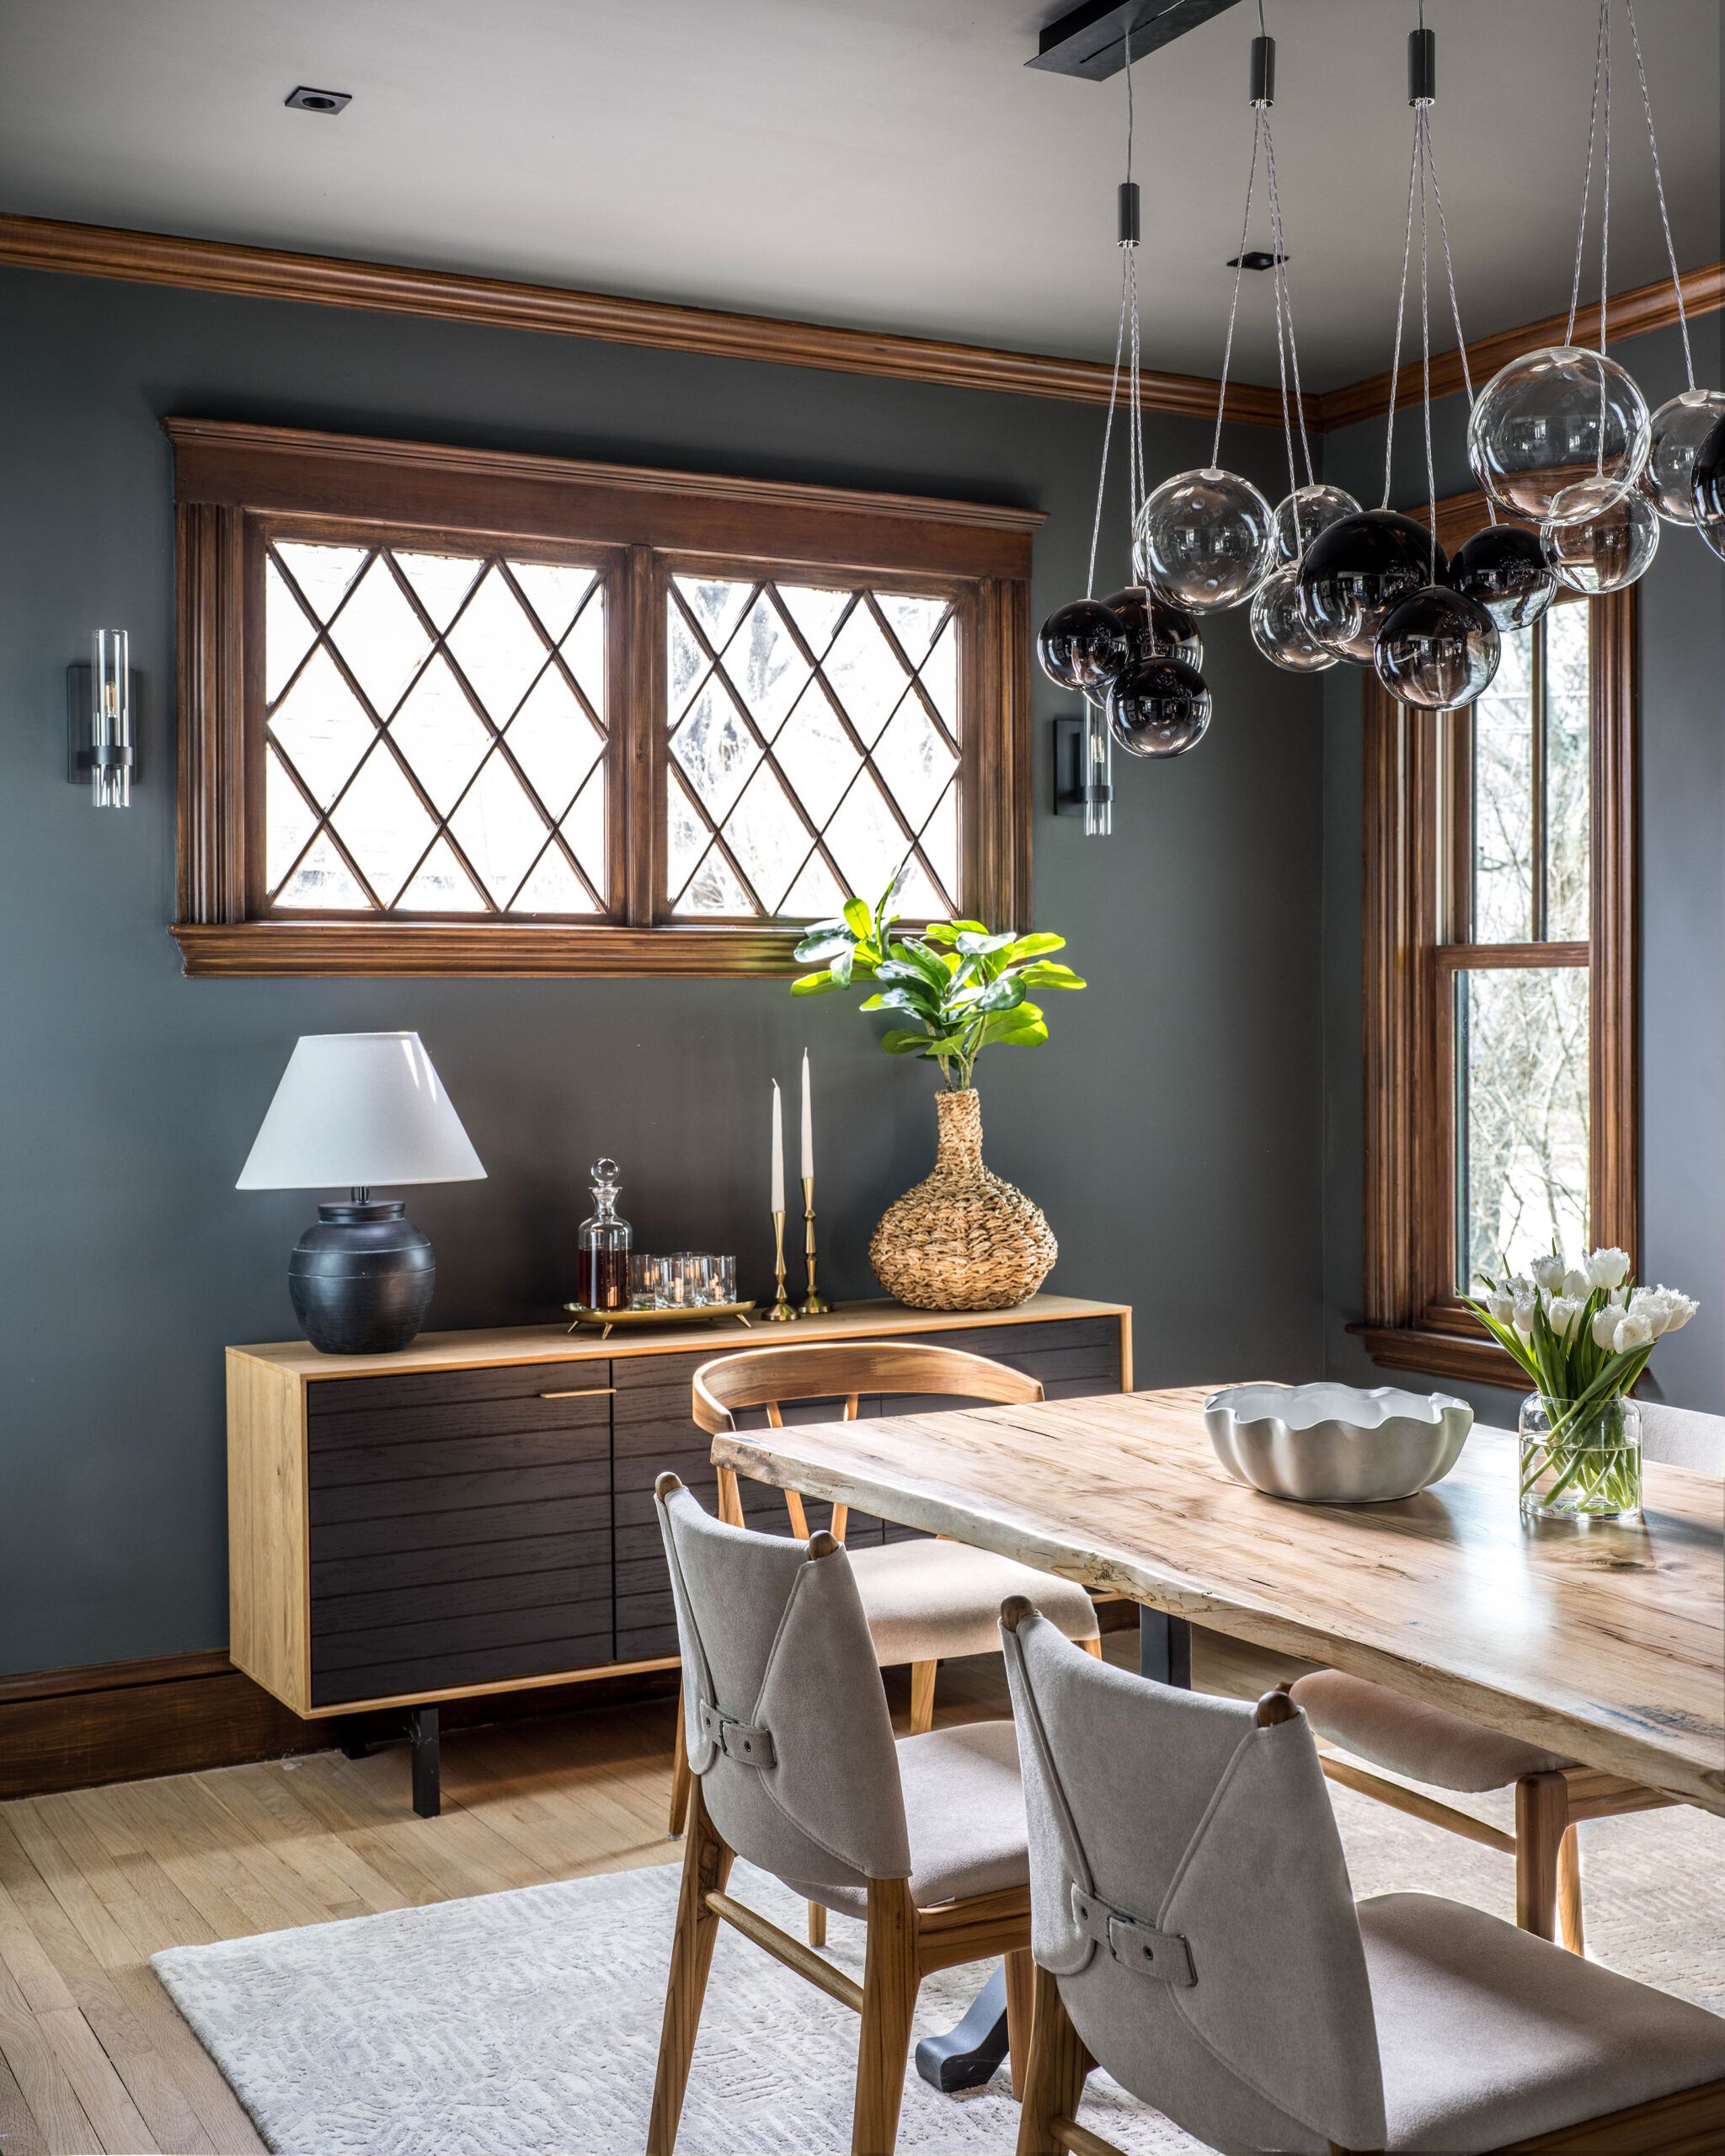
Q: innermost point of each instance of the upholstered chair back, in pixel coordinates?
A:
(785, 1716)
(1682, 1436)
(1188, 1892)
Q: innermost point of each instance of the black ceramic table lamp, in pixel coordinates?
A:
(359, 1109)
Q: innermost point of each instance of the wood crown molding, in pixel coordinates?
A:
(501, 303)
(1629, 314)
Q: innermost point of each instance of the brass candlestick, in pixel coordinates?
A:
(814, 1304)
(783, 1309)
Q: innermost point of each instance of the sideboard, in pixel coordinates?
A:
(474, 1514)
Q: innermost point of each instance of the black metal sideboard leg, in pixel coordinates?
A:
(1164, 1647)
(422, 1735)
(965, 2057)
(352, 1738)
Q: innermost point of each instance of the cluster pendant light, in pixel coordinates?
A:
(1561, 440)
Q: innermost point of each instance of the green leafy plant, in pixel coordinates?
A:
(964, 987)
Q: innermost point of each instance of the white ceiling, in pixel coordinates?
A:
(888, 164)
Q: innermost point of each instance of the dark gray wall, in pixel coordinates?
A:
(1681, 776)
(1170, 1129)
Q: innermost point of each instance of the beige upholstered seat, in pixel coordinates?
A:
(1487, 2035)
(1426, 1743)
(965, 1810)
(795, 1767)
(1445, 1751)
(1196, 1934)
(929, 1601)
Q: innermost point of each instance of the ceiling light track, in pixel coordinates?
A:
(1094, 41)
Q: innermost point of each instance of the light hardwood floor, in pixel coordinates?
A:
(93, 2056)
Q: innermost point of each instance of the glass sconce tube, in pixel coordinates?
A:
(110, 720)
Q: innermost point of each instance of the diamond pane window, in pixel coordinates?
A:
(815, 748)
(435, 732)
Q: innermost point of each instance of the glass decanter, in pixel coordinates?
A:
(602, 1247)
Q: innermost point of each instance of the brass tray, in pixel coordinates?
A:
(699, 1313)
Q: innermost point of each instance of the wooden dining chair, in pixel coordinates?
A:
(927, 1600)
(1195, 1935)
(796, 1769)
(1553, 1794)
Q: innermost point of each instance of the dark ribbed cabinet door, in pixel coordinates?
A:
(459, 1528)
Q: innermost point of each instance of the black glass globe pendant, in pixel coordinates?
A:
(1082, 645)
(1707, 490)
(1159, 707)
(1156, 628)
(1437, 649)
(1353, 573)
(1507, 569)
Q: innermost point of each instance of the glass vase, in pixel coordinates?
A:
(1580, 1463)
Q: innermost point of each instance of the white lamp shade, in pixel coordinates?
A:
(357, 1110)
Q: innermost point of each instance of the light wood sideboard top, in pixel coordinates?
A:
(1604, 1643)
(555, 1343)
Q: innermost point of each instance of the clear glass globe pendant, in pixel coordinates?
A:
(1679, 430)
(1154, 629)
(1559, 434)
(1437, 649)
(1277, 631)
(1301, 515)
(1204, 540)
(1609, 553)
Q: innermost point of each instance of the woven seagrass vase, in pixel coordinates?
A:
(964, 1240)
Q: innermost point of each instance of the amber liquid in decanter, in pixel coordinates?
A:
(602, 1247)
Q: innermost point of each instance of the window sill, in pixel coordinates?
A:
(1442, 1354)
(286, 948)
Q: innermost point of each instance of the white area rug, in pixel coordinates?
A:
(529, 2021)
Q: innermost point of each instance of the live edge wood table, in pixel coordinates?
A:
(1606, 1644)
(475, 1514)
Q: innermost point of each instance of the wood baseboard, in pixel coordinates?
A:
(119, 1721)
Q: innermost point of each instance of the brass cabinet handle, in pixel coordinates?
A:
(581, 1392)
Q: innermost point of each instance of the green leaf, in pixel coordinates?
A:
(1001, 996)
(975, 943)
(1017, 1032)
(931, 964)
(968, 927)
(1051, 976)
(1033, 946)
(940, 931)
(902, 969)
(899, 1041)
(816, 950)
(888, 909)
(821, 984)
(858, 918)
(902, 998)
(841, 968)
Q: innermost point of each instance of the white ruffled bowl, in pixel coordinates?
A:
(1334, 1444)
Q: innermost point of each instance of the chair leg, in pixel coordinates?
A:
(1021, 2013)
(1569, 1918)
(817, 1923)
(1054, 2087)
(922, 1696)
(706, 1866)
(889, 1987)
(680, 1777)
(1092, 1646)
(1541, 1818)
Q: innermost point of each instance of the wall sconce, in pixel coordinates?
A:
(101, 700)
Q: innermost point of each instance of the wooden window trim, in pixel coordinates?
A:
(1413, 1320)
(227, 475)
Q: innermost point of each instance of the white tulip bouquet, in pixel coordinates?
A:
(1583, 1334)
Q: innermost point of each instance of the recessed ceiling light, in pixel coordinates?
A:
(1255, 258)
(304, 100)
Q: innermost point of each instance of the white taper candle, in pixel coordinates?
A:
(808, 1125)
(778, 1150)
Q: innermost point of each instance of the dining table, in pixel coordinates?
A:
(1603, 1642)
